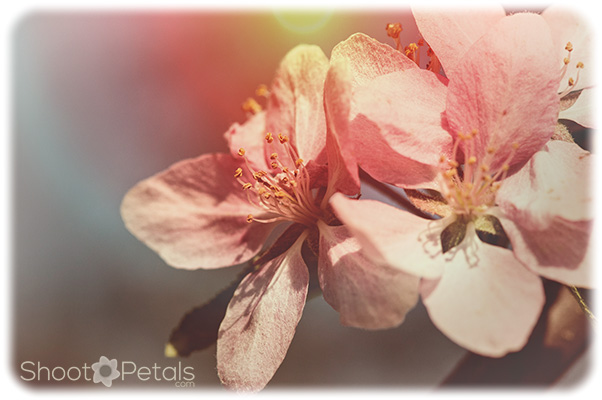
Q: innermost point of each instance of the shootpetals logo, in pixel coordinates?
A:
(107, 370)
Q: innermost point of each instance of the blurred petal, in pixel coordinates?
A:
(249, 136)
(194, 214)
(368, 58)
(261, 320)
(507, 96)
(451, 33)
(390, 236)
(486, 300)
(403, 112)
(342, 166)
(366, 295)
(296, 103)
(567, 26)
(582, 111)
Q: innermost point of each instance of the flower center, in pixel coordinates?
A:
(285, 191)
(571, 82)
(470, 189)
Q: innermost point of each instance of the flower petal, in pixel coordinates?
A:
(296, 102)
(368, 58)
(261, 320)
(582, 111)
(567, 26)
(366, 295)
(249, 136)
(555, 183)
(401, 112)
(451, 33)
(390, 236)
(546, 211)
(563, 251)
(342, 166)
(194, 214)
(486, 300)
(506, 88)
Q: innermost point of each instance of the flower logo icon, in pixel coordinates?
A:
(105, 371)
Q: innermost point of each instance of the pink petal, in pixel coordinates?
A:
(568, 26)
(368, 58)
(546, 211)
(506, 88)
(563, 251)
(485, 301)
(451, 33)
(555, 183)
(582, 111)
(194, 214)
(342, 166)
(366, 295)
(390, 236)
(251, 137)
(261, 320)
(296, 104)
(401, 113)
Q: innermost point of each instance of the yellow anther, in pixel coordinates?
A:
(249, 218)
(569, 47)
(474, 132)
(442, 158)
(453, 164)
(282, 138)
(279, 194)
(451, 172)
(571, 81)
(469, 186)
(393, 30)
(238, 173)
(484, 168)
(515, 145)
(566, 60)
(247, 186)
(299, 162)
(269, 138)
(284, 179)
(285, 170)
(486, 178)
(580, 65)
(258, 175)
(505, 167)
(262, 91)
(472, 160)
(250, 105)
(267, 195)
(274, 156)
(461, 136)
(274, 164)
(241, 152)
(490, 150)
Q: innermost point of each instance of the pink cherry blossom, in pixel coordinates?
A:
(285, 164)
(503, 182)
(450, 34)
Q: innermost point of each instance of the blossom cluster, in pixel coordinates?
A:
(500, 192)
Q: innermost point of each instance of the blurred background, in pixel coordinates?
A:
(102, 100)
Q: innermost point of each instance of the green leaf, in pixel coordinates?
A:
(453, 234)
(489, 229)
